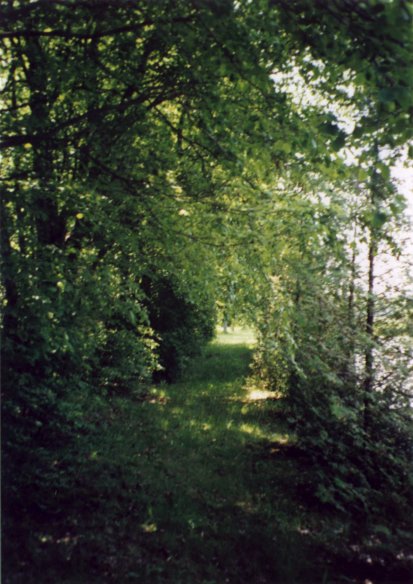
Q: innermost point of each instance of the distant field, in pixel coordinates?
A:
(235, 336)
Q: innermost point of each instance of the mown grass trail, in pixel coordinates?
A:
(197, 483)
(210, 507)
(189, 486)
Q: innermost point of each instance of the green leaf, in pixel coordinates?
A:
(378, 219)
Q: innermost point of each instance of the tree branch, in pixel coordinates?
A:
(68, 34)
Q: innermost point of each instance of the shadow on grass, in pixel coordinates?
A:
(187, 487)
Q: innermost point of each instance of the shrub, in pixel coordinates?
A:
(182, 326)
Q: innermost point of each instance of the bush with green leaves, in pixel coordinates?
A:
(357, 443)
(181, 326)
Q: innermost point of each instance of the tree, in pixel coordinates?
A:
(145, 142)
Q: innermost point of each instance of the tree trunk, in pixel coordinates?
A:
(370, 306)
(369, 355)
(50, 223)
(350, 365)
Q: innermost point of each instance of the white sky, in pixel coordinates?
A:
(304, 95)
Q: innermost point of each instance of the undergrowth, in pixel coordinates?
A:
(198, 483)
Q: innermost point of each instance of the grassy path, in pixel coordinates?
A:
(193, 485)
(183, 488)
(206, 505)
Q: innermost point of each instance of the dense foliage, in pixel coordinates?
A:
(164, 158)
(181, 326)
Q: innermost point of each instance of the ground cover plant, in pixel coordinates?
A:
(200, 482)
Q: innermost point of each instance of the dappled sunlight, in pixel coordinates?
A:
(199, 473)
(186, 473)
(246, 506)
(149, 527)
(252, 394)
(278, 441)
(261, 394)
(260, 432)
(158, 395)
(226, 409)
(253, 430)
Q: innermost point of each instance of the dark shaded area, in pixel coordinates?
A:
(194, 484)
(182, 327)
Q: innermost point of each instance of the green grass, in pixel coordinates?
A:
(189, 486)
(235, 336)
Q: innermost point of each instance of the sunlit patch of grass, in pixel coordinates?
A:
(158, 395)
(236, 336)
(195, 484)
(282, 438)
(253, 430)
(149, 527)
(260, 394)
(183, 490)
